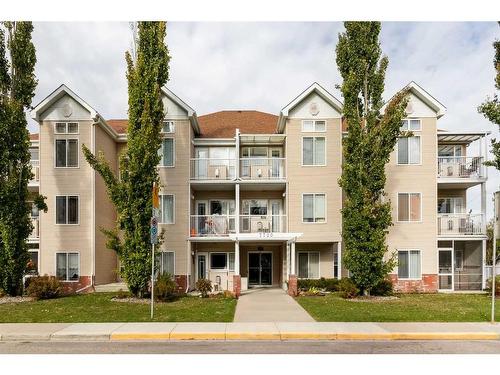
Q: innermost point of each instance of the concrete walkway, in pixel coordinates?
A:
(247, 331)
(269, 305)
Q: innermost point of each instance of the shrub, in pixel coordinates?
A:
(122, 294)
(347, 288)
(330, 285)
(383, 288)
(497, 285)
(44, 287)
(204, 286)
(2, 293)
(165, 287)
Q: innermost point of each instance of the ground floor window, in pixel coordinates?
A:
(167, 262)
(409, 266)
(218, 261)
(68, 266)
(308, 263)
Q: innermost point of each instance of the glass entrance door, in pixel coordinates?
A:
(201, 163)
(445, 275)
(260, 269)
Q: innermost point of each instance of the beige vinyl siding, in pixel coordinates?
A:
(176, 181)
(106, 262)
(65, 181)
(314, 179)
(420, 178)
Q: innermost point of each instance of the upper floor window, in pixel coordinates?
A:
(409, 150)
(313, 151)
(451, 205)
(167, 152)
(411, 125)
(67, 209)
(34, 154)
(313, 126)
(168, 127)
(314, 208)
(66, 128)
(66, 153)
(167, 209)
(409, 207)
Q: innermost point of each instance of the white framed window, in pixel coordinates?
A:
(68, 266)
(409, 207)
(409, 150)
(308, 265)
(450, 151)
(314, 151)
(231, 262)
(34, 154)
(167, 209)
(411, 125)
(67, 209)
(168, 127)
(314, 208)
(218, 261)
(34, 260)
(409, 264)
(311, 126)
(66, 128)
(167, 262)
(66, 153)
(167, 152)
(254, 207)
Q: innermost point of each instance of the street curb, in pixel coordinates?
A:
(139, 336)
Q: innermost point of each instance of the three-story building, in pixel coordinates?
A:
(251, 199)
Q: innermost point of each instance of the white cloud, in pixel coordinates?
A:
(264, 65)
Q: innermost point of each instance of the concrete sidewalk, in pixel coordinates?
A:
(247, 331)
(269, 305)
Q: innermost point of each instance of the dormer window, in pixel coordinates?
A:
(168, 127)
(66, 128)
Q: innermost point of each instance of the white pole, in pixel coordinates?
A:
(496, 207)
(152, 280)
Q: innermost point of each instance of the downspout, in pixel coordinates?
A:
(92, 229)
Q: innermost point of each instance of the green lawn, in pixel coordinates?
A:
(409, 307)
(98, 307)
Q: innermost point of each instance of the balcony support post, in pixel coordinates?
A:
(483, 206)
(237, 208)
(237, 156)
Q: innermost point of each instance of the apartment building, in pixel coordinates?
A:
(251, 199)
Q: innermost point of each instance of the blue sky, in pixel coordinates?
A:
(256, 65)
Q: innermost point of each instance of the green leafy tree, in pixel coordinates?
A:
(131, 193)
(371, 137)
(489, 244)
(491, 108)
(17, 88)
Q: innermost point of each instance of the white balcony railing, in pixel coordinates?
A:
(35, 233)
(262, 168)
(262, 223)
(212, 225)
(488, 271)
(460, 166)
(461, 224)
(213, 169)
(35, 168)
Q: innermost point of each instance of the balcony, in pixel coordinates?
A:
(263, 223)
(210, 169)
(262, 168)
(212, 225)
(35, 168)
(461, 225)
(35, 233)
(460, 167)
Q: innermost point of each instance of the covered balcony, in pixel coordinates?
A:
(212, 225)
(262, 223)
(213, 169)
(35, 233)
(252, 168)
(461, 224)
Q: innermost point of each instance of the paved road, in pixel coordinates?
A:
(262, 347)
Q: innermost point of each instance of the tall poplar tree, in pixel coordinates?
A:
(147, 72)
(371, 137)
(491, 108)
(17, 88)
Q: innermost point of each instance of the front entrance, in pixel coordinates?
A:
(260, 268)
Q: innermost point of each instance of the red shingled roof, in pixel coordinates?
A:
(223, 124)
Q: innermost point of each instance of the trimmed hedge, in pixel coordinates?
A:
(329, 285)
